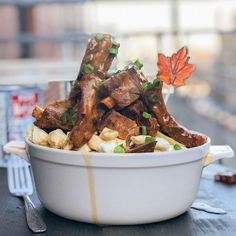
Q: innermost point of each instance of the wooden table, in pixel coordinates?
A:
(193, 222)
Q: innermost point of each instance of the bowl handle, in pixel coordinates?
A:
(217, 152)
(18, 148)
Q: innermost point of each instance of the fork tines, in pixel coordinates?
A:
(19, 179)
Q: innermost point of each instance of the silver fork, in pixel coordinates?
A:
(20, 185)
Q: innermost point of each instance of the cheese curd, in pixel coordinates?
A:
(162, 144)
(108, 134)
(37, 136)
(106, 142)
(57, 138)
(139, 139)
(94, 142)
(107, 147)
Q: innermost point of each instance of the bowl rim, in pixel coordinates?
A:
(116, 160)
(101, 154)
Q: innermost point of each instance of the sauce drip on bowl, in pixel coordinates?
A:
(88, 162)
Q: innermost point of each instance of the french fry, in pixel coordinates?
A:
(170, 140)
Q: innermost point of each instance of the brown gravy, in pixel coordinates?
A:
(92, 192)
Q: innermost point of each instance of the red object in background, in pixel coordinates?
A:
(23, 104)
(16, 106)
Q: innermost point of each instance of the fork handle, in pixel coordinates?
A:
(34, 220)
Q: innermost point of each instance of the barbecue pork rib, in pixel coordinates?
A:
(98, 57)
(134, 111)
(168, 124)
(50, 117)
(121, 89)
(117, 101)
(82, 98)
(114, 120)
(86, 112)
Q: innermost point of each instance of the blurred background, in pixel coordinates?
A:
(42, 43)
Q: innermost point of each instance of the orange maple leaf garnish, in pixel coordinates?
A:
(175, 69)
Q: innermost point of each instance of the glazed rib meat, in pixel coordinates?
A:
(121, 89)
(85, 110)
(97, 54)
(134, 112)
(82, 98)
(125, 126)
(95, 64)
(168, 124)
(50, 117)
(98, 57)
(124, 101)
(146, 147)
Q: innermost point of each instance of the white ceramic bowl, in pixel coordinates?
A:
(118, 189)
